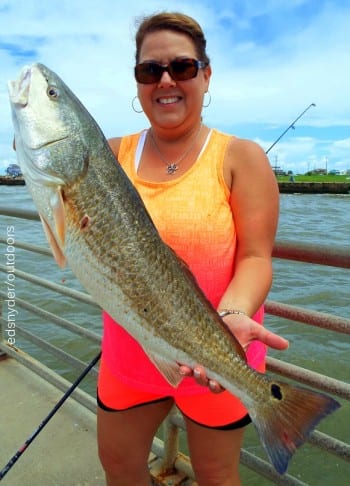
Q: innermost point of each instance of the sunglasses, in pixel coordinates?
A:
(179, 69)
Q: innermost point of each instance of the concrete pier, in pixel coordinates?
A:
(65, 451)
(314, 187)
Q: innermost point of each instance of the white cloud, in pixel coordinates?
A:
(342, 145)
(270, 60)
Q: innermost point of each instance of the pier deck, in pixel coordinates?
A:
(65, 452)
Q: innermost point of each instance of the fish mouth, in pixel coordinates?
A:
(49, 144)
(19, 94)
(19, 88)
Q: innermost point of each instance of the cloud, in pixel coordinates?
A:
(271, 81)
(270, 60)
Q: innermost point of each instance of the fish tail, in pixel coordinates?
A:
(287, 418)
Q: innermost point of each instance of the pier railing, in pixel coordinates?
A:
(169, 465)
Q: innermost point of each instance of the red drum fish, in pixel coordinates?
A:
(96, 222)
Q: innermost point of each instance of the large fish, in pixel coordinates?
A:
(95, 220)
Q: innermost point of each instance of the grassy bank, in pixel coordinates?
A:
(316, 178)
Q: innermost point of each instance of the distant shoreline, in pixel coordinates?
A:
(284, 187)
(11, 181)
(314, 187)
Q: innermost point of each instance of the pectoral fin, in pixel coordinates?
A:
(169, 369)
(56, 250)
(58, 211)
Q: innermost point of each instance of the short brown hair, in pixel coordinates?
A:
(177, 22)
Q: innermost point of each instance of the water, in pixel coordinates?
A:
(318, 219)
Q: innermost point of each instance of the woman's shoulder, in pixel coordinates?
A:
(246, 160)
(245, 150)
(237, 146)
(115, 143)
(124, 143)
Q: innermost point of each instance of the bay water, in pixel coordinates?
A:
(317, 219)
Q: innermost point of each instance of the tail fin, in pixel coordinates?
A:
(287, 418)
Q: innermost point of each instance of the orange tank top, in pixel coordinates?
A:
(193, 216)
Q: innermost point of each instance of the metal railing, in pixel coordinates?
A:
(167, 454)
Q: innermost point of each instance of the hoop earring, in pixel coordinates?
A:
(209, 100)
(133, 105)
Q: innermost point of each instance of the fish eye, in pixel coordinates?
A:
(52, 92)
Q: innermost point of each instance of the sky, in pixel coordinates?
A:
(271, 61)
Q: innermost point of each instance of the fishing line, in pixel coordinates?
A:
(70, 390)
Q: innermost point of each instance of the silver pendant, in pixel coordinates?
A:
(172, 168)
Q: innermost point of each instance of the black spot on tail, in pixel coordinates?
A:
(276, 391)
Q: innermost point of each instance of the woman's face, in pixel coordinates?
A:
(169, 103)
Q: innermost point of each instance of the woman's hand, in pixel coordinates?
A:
(245, 330)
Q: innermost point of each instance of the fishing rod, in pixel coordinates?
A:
(290, 126)
(70, 390)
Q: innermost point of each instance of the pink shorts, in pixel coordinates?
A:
(214, 410)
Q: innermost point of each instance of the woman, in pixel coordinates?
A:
(214, 200)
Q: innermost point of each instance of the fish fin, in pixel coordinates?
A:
(55, 248)
(169, 369)
(286, 420)
(58, 211)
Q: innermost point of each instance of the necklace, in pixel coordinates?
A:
(173, 166)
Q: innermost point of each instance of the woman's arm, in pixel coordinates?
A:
(255, 208)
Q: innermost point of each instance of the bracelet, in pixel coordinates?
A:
(227, 312)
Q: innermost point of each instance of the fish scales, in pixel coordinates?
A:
(95, 220)
(164, 293)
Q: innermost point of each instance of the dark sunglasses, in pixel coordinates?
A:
(179, 69)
